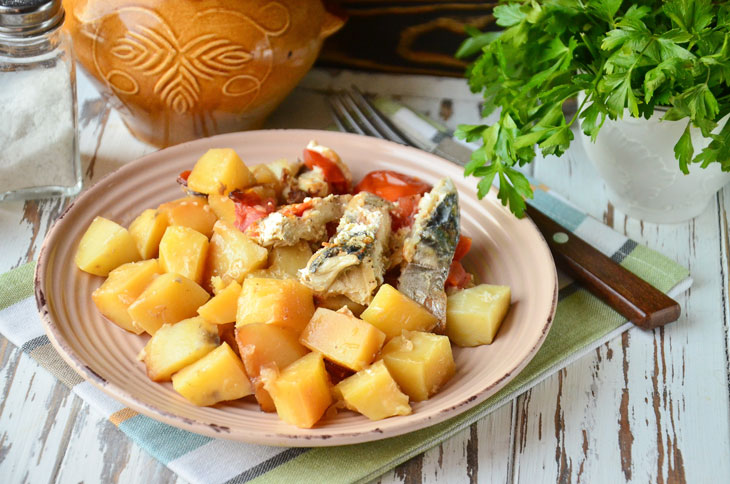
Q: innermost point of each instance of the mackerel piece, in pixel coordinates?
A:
(429, 249)
(284, 228)
(353, 262)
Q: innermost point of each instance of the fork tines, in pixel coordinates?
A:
(354, 113)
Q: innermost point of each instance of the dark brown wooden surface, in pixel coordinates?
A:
(415, 37)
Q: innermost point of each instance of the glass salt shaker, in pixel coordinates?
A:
(39, 153)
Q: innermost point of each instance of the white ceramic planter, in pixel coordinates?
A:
(636, 159)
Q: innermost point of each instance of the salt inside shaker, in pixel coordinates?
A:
(39, 154)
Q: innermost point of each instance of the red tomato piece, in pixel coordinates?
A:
(182, 178)
(250, 207)
(297, 209)
(462, 247)
(332, 173)
(458, 277)
(405, 211)
(392, 185)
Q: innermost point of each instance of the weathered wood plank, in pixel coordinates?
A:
(35, 414)
(99, 452)
(640, 405)
(481, 453)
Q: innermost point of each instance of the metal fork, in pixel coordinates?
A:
(632, 297)
(354, 113)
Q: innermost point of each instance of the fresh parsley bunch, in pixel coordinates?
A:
(624, 55)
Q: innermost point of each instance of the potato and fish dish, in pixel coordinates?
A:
(287, 283)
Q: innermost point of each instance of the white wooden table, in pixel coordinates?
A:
(646, 407)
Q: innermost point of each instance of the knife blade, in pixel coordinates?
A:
(632, 297)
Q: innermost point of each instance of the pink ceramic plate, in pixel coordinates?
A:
(505, 251)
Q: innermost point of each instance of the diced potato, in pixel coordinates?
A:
(263, 192)
(193, 212)
(266, 345)
(286, 261)
(168, 299)
(473, 316)
(419, 362)
(147, 231)
(221, 171)
(105, 246)
(373, 393)
(392, 312)
(264, 175)
(184, 250)
(223, 207)
(337, 301)
(301, 392)
(232, 254)
(344, 339)
(217, 284)
(221, 308)
(121, 288)
(281, 302)
(175, 346)
(219, 376)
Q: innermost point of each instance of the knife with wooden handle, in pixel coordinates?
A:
(632, 297)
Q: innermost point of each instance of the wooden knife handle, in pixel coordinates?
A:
(631, 296)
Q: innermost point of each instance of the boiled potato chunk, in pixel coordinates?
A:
(221, 171)
(301, 392)
(373, 393)
(286, 261)
(121, 288)
(183, 250)
(168, 299)
(223, 207)
(342, 338)
(281, 302)
(232, 254)
(192, 212)
(221, 308)
(266, 345)
(175, 346)
(218, 376)
(419, 362)
(264, 175)
(473, 316)
(392, 312)
(105, 246)
(147, 231)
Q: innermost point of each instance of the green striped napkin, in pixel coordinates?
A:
(581, 324)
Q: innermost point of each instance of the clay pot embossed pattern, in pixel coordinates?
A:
(179, 70)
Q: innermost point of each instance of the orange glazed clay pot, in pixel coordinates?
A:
(184, 69)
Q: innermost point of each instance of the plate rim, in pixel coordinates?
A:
(276, 438)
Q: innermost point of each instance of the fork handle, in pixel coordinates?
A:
(635, 299)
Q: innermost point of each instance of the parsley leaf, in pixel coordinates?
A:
(628, 58)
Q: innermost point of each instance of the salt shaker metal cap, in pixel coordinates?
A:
(25, 18)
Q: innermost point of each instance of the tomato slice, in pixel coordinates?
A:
(462, 247)
(392, 185)
(458, 277)
(250, 207)
(182, 178)
(332, 173)
(405, 211)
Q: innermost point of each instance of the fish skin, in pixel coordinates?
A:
(353, 262)
(429, 250)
